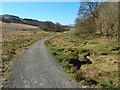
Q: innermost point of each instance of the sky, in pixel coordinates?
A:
(62, 12)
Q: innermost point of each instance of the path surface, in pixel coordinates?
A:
(37, 69)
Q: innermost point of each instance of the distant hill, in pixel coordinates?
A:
(70, 25)
(48, 25)
(15, 19)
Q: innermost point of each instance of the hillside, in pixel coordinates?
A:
(15, 19)
(47, 26)
(17, 26)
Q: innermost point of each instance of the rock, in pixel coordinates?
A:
(13, 51)
(55, 53)
(103, 53)
(92, 82)
(116, 49)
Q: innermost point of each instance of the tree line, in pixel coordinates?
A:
(99, 18)
(49, 26)
(46, 25)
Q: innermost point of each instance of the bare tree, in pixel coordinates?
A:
(88, 9)
(85, 23)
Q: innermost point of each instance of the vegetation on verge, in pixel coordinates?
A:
(103, 72)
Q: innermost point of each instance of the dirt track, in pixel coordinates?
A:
(36, 68)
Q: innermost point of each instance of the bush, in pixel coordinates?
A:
(107, 85)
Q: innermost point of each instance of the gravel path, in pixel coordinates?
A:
(37, 69)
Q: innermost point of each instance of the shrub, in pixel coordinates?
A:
(107, 85)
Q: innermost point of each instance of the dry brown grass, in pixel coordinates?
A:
(15, 39)
(104, 68)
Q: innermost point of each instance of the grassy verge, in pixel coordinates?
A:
(102, 73)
